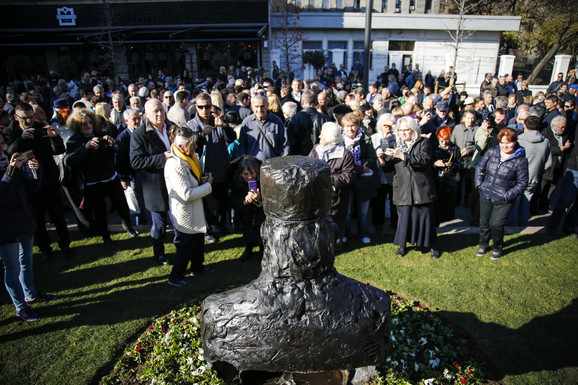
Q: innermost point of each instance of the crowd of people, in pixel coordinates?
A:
(167, 151)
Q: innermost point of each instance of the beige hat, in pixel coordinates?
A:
(468, 100)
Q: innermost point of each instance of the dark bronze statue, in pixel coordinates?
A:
(300, 315)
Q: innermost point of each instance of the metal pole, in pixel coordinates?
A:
(367, 43)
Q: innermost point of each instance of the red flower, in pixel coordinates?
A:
(457, 365)
(463, 381)
(421, 307)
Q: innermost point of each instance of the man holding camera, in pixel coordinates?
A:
(215, 134)
(25, 134)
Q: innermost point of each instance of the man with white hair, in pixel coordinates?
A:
(130, 182)
(149, 151)
(116, 114)
(263, 134)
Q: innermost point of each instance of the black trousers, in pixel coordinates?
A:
(94, 198)
(48, 200)
(190, 248)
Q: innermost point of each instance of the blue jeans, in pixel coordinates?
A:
(520, 214)
(18, 274)
(160, 220)
(362, 207)
(567, 192)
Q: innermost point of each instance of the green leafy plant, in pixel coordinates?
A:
(316, 59)
(422, 351)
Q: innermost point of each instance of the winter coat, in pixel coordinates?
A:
(502, 182)
(304, 129)
(342, 177)
(252, 216)
(17, 219)
(147, 156)
(94, 164)
(538, 154)
(413, 182)
(558, 157)
(185, 196)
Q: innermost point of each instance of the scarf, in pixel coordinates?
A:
(193, 162)
(404, 147)
(353, 146)
(323, 151)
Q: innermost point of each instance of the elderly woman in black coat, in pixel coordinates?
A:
(331, 150)
(413, 188)
(501, 176)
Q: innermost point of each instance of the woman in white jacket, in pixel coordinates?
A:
(186, 186)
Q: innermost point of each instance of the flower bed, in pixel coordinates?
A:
(422, 351)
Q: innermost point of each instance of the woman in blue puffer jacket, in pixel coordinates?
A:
(501, 176)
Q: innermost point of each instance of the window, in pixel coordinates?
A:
(312, 45)
(427, 5)
(384, 5)
(325, 4)
(397, 5)
(337, 44)
(339, 4)
(401, 45)
(356, 4)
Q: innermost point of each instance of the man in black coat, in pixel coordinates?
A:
(25, 134)
(149, 150)
(560, 148)
(304, 128)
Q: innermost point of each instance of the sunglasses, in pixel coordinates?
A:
(204, 107)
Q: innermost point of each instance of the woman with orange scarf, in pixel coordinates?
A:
(186, 186)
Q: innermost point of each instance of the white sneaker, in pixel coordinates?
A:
(365, 240)
(344, 240)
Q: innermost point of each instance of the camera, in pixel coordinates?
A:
(102, 142)
(385, 144)
(40, 131)
(491, 119)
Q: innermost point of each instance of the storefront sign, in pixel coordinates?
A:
(65, 17)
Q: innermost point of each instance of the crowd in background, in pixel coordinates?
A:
(167, 150)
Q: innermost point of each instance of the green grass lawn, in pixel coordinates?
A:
(521, 310)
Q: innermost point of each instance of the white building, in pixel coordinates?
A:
(403, 38)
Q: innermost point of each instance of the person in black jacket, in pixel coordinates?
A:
(243, 178)
(149, 151)
(304, 128)
(16, 231)
(501, 176)
(447, 161)
(24, 134)
(93, 156)
(413, 188)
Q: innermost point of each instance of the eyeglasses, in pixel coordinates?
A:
(405, 130)
(568, 106)
(25, 118)
(168, 97)
(206, 106)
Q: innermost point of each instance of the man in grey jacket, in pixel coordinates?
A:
(539, 159)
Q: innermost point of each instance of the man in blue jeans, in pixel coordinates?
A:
(149, 151)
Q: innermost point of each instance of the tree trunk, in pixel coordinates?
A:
(551, 52)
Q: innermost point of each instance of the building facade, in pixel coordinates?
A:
(133, 38)
(404, 32)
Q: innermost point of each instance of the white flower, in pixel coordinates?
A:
(201, 370)
(434, 363)
(201, 357)
(395, 321)
(201, 351)
(429, 381)
(190, 360)
(422, 341)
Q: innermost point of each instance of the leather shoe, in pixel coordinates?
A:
(130, 231)
(204, 270)
(181, 282)
(401, 252)
(435, 254)
(108, 245)
(162, 260)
